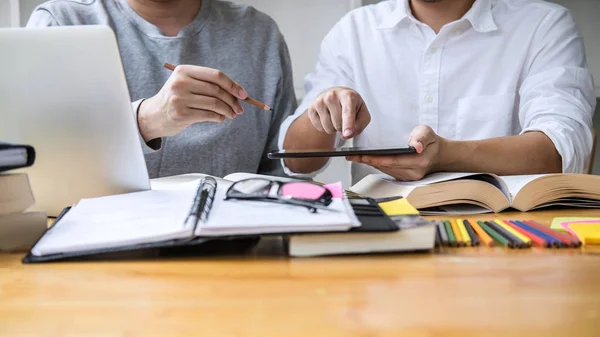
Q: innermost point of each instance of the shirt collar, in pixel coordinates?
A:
(399, 14)
(480, 16)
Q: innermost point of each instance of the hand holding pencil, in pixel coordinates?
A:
(191, 95)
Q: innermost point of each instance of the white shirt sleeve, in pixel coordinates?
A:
(557, 96)
(333, 70)
(152, 145)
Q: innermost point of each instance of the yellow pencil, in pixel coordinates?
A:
(463, 232)
(457, 233)
(514, 232)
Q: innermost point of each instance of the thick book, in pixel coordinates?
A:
(15, 193)
(367, 239)
(161, 218)
(14, 156)
(19, 231)
(472, 193)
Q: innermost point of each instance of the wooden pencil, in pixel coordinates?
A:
(495, 235)
(459, 240)
(536, 240)
(517, 243)
(443, 233)
(474, 238)
(248, 100)
(568, 240)
(526, 240)
(463, 232)
(450, 232)
(483, 236)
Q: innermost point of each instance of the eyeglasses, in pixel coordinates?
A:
(306, 194)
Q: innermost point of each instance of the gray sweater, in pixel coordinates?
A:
(236, 39)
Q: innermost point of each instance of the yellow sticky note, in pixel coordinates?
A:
(588, 233)
(398, 207)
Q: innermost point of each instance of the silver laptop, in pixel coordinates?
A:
(63, 91)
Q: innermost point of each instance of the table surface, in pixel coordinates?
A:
(448, 292)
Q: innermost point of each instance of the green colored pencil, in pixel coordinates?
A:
(494, 234)
(451, 237)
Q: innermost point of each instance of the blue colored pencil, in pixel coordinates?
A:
(553, 241)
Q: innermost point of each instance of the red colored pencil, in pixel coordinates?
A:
(538, 241)
(568, 240)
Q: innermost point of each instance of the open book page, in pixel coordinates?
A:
(516, 183)
(374, 185)
(449, 176)
(120, 220)
(238, 217)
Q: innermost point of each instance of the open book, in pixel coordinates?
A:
(161, 218)
(472, 193)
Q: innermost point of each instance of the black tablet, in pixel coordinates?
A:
(340, 152)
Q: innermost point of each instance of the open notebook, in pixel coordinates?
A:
(158, 216)
(472, 193)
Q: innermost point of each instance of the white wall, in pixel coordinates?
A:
(4, 13)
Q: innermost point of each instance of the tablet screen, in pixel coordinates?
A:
(340, 152)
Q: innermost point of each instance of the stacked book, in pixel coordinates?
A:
(20, 224)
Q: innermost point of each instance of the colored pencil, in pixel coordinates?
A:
(526, 240)
(538, 241)
(495, 235)
(483, 236)
(463, 232)
(568, 240)
(474, 238)
(450, 233)
(457, 235)
(438, 237)
(550, 239)
(248, 100)
(516, 243)
(443, 234)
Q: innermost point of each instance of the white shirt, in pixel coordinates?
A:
(506, 67)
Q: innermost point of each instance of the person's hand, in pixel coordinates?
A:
(409, 167)
(192, 94)
(339, 110)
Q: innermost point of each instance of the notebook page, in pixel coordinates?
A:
(229, 217)
(120, 220)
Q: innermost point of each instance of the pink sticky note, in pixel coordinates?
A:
(302, 191)
(336, 190)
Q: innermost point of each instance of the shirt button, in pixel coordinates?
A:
(433, 50)
(429, 99)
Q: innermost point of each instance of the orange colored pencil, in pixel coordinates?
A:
(483, 236)
(248, 100)
(459, 239)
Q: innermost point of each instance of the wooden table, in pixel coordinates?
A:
(451, 292)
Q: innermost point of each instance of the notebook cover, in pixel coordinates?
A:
(156, 249)
(30, 155)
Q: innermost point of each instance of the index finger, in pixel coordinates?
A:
(348, 115)
(216, 77)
